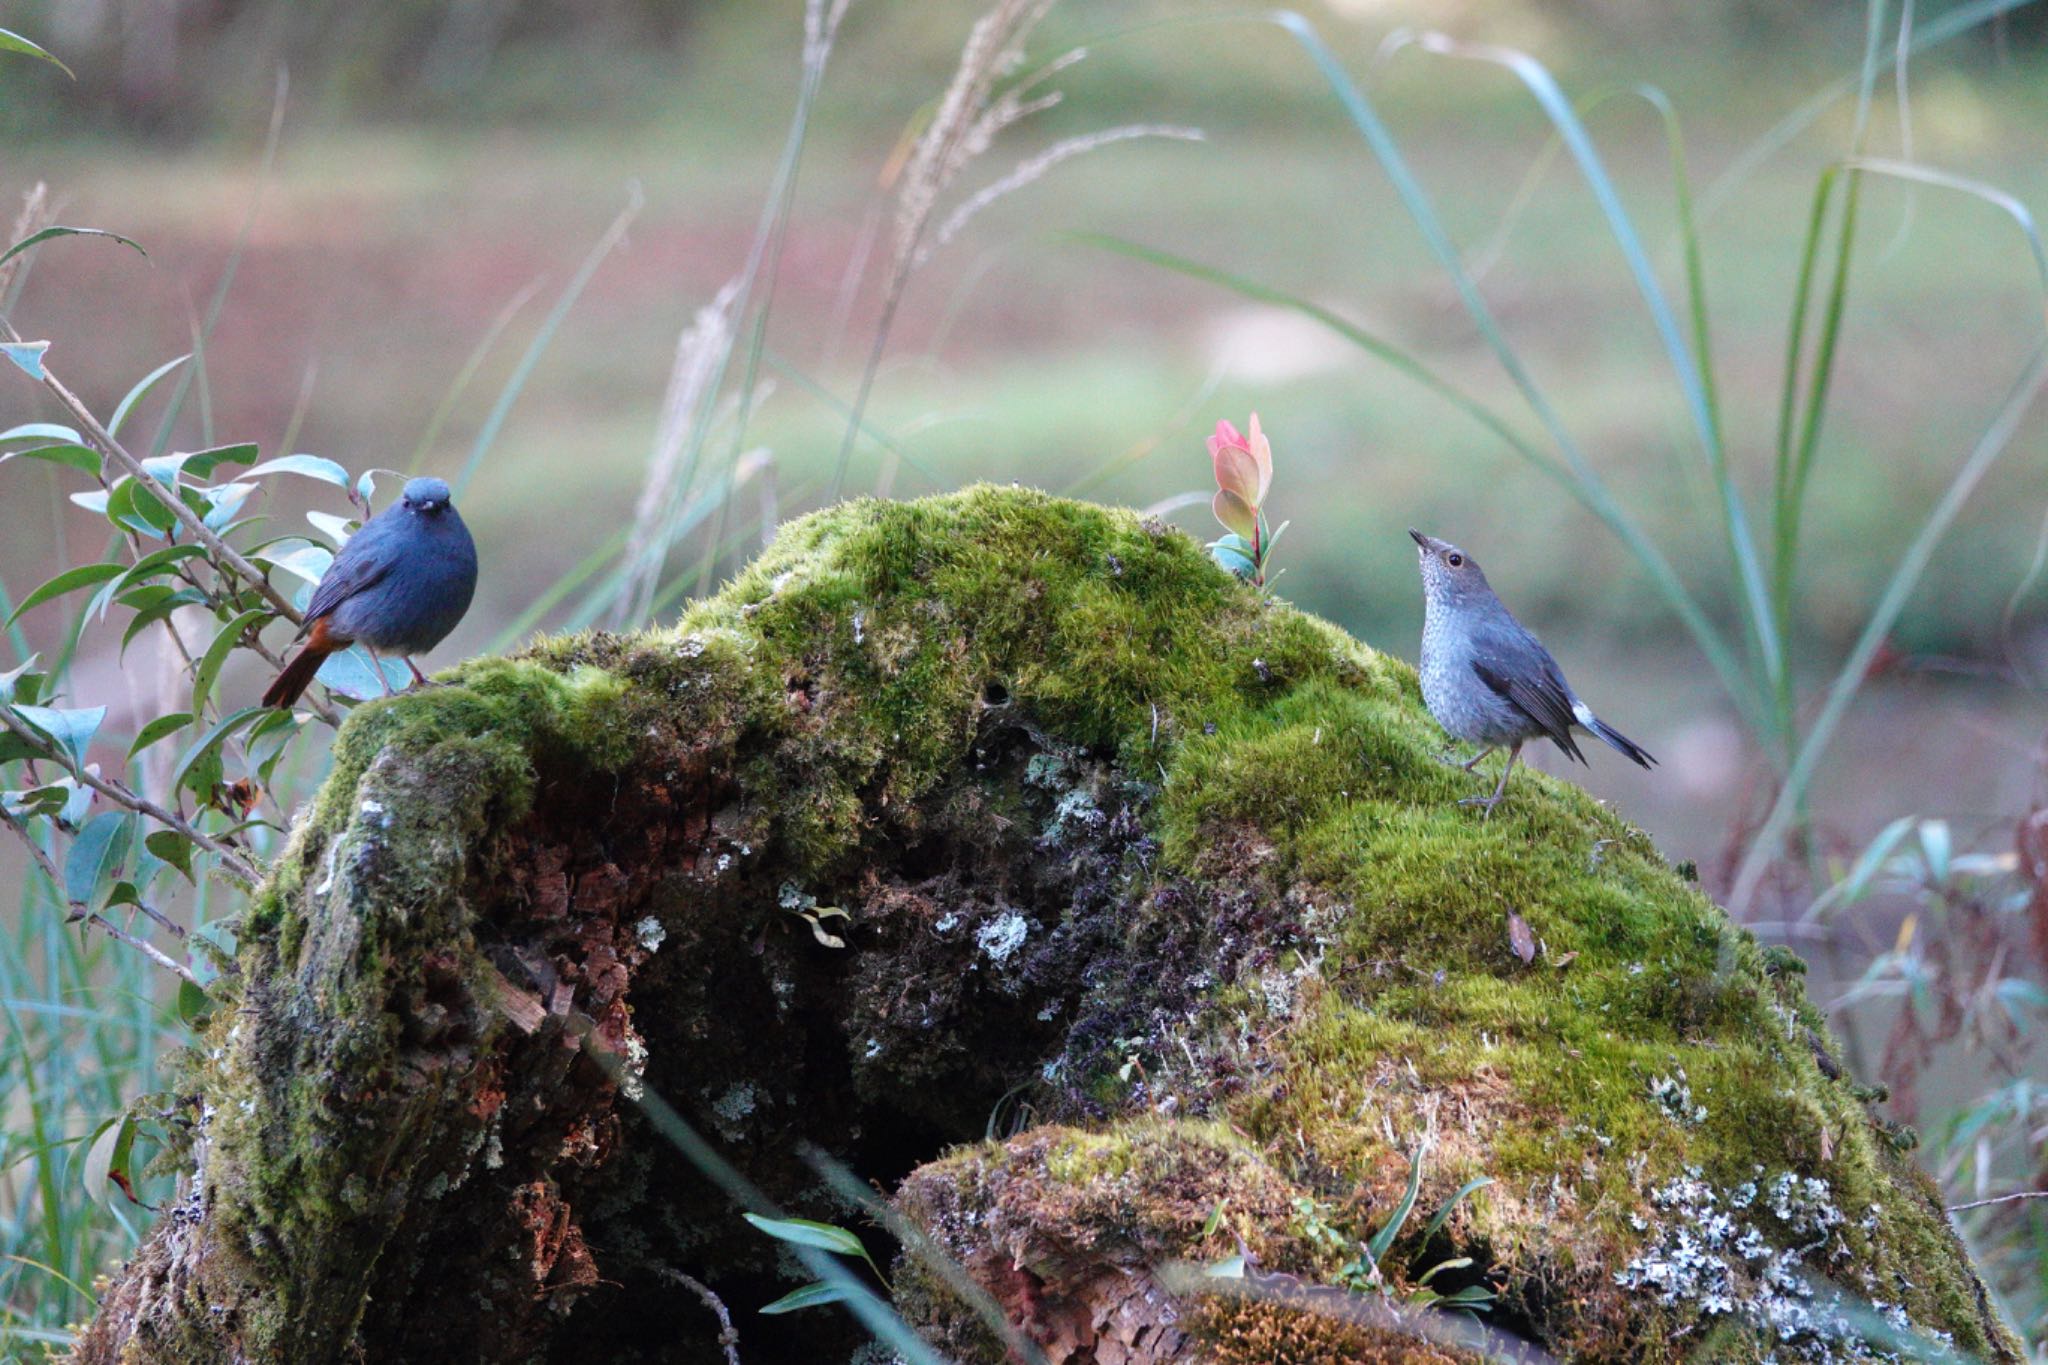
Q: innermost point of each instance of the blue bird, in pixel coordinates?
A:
(400, 585)
(1486, 679)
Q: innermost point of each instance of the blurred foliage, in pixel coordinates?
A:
(176, 66)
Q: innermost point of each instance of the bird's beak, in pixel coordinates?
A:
(1423, 542)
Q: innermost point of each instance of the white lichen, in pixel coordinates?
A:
(1002, 936)
(733, 1107)
(1713, 1254)
(1674, 1095)
(650, 933)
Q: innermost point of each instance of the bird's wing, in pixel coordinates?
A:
(363, 561)
(1515, 665)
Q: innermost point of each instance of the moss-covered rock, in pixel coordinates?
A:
(1008, 821)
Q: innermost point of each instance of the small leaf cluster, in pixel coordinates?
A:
(1243, 465)
(823, 1237)
(1363, 1272)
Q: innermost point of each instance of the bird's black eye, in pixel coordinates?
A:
(1456, 561)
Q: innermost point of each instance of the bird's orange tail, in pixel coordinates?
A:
(298, 674)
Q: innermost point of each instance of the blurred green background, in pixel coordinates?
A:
(444, 167)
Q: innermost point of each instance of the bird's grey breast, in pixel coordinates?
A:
(1455, 636)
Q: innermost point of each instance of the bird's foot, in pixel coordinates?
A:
(419, 679)
(1486, 803)
(1449, 758)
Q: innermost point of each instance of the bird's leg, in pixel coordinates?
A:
(377, 663)
(1449, 757)
(417, 676)
(1514, 752)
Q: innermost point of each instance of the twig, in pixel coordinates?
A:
(120, 795)
(78, 910)
(728, 1335)
(2001, 1199)
(43, 859)
(143, 946)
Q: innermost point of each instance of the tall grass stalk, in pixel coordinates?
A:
(692, 413)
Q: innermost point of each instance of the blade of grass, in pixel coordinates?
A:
(556, 591)
(765, 247)
(515, 383)
(470, 366)
(928, 1253)
(1994, 442)
(1690, 369)
(268, 163)
(1936, 31)
(845, 409)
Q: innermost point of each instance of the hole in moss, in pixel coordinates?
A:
(993, 693)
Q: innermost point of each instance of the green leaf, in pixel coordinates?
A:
(1235, 556)
(47, 233)
(217, 654)
(71, 580)
(173, 847)
(312, 466)
(194, 1004)
(107, 1154)
(810, 1296)
(14, 679)
(1376, 1246)
(222, 503)
(804, 1232)
(149, 566)
(1455, 1263)
(27, 356)
(208, 745)
(338, 529)
(36, 801)
(71, 729)
(308, 562)
(198, 463)
(81, 458)
(41, 431)
(352, 673)
(14, 42)
(152, 603)
(136, 394)
(158, 729)
(94, 854)
(1443, 1215)
(136, 504)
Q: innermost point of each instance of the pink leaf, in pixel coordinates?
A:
(1261, 452)
(1231, 510)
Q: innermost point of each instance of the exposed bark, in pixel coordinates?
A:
(1151, 880)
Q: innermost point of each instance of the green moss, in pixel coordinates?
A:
(839, 684)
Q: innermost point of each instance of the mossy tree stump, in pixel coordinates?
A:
(1157, 880)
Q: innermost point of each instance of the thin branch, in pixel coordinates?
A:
(118, 792)
(143, 946)
(36, 851)
(2001, 1199)
(728, 1335)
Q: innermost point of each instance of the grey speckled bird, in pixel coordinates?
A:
(1486, 679)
